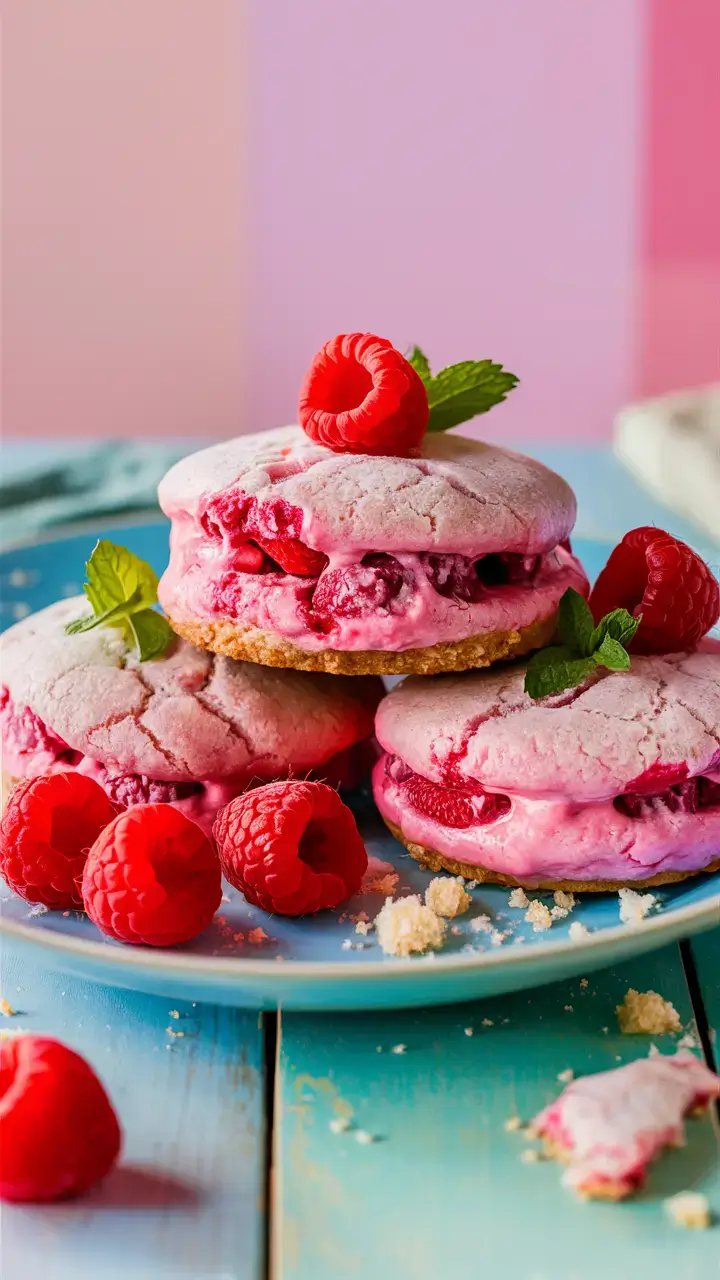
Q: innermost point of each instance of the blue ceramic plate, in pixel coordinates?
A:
(303, 963)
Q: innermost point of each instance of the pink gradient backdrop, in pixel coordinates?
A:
(197, 195)
(123, 217)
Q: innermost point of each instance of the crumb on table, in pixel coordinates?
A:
(405, 926)
(689, 1209)
(6, 1009)
(647, 1013)
(446, 896)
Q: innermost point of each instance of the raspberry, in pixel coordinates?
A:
(447, 805)
(152, 877)
(683, 797)
(654, 574)
(46, 831)
(58, 1132)
(291, 847)
(454, 576)
(360, 395)
(274, 526)
(375, 585)
(294, 556)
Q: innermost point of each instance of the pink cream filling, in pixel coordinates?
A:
(246, 562)
(631, 836)
(31, 749)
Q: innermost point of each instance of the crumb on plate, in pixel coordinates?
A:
(405, 926)
(519, 899)
(538, 915)
(578, 931)
(634, 906)
(446, 896)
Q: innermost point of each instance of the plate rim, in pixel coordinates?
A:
(225, 968)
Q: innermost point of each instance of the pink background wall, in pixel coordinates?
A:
(197, 195)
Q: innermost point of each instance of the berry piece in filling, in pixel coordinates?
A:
(291, 847)
(58, 1131)
(449, 806)
(258, 531)
(378, 584)
(690, 796)
(656, 575)
(46, 831)
(360, 395)
(152, 877)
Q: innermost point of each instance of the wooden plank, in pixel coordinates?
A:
(705, 949)
(187, 1199)
(443, 1190)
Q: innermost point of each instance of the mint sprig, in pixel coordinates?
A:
(122, 589)
(461, 391)
(584, 647)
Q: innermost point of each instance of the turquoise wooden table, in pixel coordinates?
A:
(232, 1171)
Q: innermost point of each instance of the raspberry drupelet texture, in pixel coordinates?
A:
(654, 574)
(152, 877)
(58, 1132)
(291, 847)
(47, 829)
(360, 395)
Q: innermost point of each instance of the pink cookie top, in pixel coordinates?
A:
(613, 1124)
(458, 496)
(638, 731)
(187, 715)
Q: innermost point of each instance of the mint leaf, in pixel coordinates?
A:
(575, 623)
(611, 654)
(420, 364)
(554, 669)
(152, 633)
(461, 391)
(120, 588)
(619, 624)
(115, 576)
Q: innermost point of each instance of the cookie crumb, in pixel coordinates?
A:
(513, 1124)
(634, 906)
(568, 1008)
(256, 936)
(446, 896)
(689, 1209)
(578, 931)
(469, 1031)
(174, 1035)
(538, 915)
(363, 927)
(384, 885)
(498, 936)
(584, 982)
(399, 1048)
(174, 1013)
(688, 1041)
(364, 1138)
(405, 925)
(481, 924)
(6, 1009)
(339, 1124)
(567, 1076)
(488, 1022)
(38, 910)
(564, 904)
(519, 899)
(530, 1156)
(647, 1013)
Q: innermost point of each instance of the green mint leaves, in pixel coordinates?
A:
(584, 647)
(122, 589)
(461, 391)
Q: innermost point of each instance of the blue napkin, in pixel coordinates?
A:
(46, 483)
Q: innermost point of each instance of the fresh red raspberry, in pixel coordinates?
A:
(58, 1132)
(374, 585)
(654, 574)
(152, 877)
(360, 395)
(291, 847)
(46, 831)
